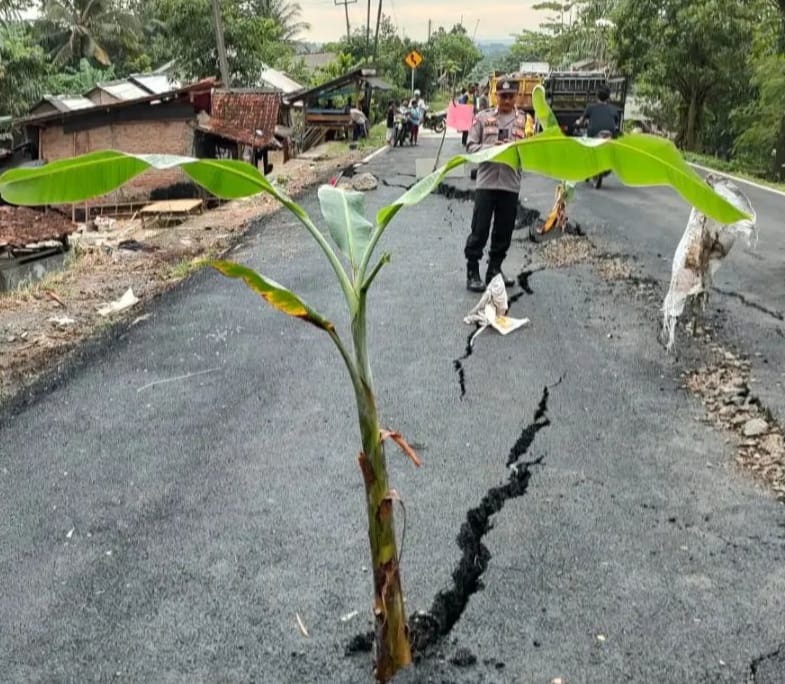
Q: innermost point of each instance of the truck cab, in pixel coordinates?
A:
(569, 92)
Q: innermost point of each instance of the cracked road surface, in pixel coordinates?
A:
(171, 532)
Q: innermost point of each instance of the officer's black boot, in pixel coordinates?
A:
(495, 269)
(473, 280)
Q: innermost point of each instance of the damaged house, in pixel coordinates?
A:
(150, 114)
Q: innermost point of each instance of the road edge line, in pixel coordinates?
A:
(375, 153)
(738, 179)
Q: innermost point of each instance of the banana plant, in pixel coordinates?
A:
(639, 160)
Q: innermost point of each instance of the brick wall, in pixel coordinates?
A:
(160, 137)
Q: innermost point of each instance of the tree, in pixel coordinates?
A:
(692, 48)
(88, 28)
(11, 10)
(287, 14)
(78, 81)
(452, 52)
(529, 46)
(188, 36)
(23, 68)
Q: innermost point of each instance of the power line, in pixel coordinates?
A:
(346, 4)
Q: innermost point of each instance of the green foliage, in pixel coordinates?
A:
(287, 15)
(95, 29)
(453, 52)
(693, 49)
(761, 118)
(186, 34)
(78, 81)
(529, 46)
(23, 69)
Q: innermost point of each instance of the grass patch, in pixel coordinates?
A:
(375, 137)
(730, 167)
(53, 281)
(185, 267)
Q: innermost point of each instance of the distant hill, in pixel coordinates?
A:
(494, 48)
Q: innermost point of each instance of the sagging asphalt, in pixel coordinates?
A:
(171, 532)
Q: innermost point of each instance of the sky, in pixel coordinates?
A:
(497, 19)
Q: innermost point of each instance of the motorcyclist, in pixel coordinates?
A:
(600, 116)
(601, 120)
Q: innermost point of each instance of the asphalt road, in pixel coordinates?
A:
(170, 531)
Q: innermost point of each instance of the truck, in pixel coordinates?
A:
(526, 82)
(569, 92)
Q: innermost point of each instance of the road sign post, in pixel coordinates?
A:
(413, 59)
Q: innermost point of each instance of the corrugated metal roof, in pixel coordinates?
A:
(155, 83)
(67, 106)
(123, 90)
(279, 81)
(72, 103)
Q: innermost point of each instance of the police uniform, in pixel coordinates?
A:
(497, 189)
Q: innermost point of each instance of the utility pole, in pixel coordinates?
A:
(223, 62)
(368, 34)
(346, 4)
(376, 38)
(429, 30)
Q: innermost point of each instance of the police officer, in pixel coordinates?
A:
(497, 188)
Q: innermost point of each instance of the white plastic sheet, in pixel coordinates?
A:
(703, 246)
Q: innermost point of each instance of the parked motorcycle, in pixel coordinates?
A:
(436, 121)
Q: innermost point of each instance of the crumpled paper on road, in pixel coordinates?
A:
(492, 308)
(700, 252)
(125, 302)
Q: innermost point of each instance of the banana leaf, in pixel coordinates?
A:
(638, 160)
(344, 213)
(274, 294)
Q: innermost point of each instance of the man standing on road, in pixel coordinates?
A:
(497, 187)
(391, 109)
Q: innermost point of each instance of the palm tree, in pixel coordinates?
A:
(285, 13)
(10, 10)
(86, 28)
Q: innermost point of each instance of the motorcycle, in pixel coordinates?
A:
(401, 129)
(436, 121)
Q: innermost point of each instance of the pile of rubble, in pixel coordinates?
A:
(724, 388)
(566, 251)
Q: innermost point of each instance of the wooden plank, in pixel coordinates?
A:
(172, 206)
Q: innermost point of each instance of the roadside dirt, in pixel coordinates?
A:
(722, 383)
(42, 324)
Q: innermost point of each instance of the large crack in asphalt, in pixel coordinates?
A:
(777, 315)
(525, 217)
(428, 628)
(457, 364)
(756, 664)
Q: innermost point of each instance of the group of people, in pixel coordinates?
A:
(498, 185)
(413, 114)
(478, 97)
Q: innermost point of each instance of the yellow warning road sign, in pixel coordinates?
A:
(413, 59)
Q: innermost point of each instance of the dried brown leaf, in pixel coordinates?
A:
(398, 438)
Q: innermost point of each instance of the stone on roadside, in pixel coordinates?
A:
(774, 444)
(755, 427)
(364, 182)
